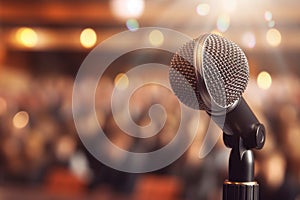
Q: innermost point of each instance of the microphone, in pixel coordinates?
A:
(210, 73)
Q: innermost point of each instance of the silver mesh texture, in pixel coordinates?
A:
(183, 77)
(224, 71)
(225, 67)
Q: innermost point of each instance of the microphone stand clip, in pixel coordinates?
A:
(240, 184)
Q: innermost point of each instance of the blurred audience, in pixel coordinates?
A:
(38, 150)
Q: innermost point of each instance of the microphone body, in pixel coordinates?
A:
(210, 73)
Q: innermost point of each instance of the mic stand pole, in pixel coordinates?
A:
(240, 184)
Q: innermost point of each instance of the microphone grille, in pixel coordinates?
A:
(183, 77)
(221, 73)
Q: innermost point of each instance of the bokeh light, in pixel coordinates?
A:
(268, 16)
(223, 22)
(27, 37)
(156, 38)
(21, 119)
(217, 32)
(121, 81)
(249, 39)
(132, 24)
(88, 38)
(127, 8)
(273, 37)
(271, 24)
(203, 9)
(264, 80)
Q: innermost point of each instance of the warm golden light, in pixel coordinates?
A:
(127, 8)
(264, 80)
(27, 37)
(273, 37)
(156, 38)
(88, 38)
(121, 81)
(215, 31)
(21, 119)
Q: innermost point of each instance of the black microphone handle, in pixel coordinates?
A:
(240, 121)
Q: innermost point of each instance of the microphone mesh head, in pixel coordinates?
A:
(221, 77)
(183, 77)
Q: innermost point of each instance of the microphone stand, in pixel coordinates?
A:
(240, 184)
(242, 132)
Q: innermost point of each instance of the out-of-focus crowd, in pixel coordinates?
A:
(47, 147)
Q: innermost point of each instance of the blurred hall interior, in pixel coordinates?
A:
(43, 44)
